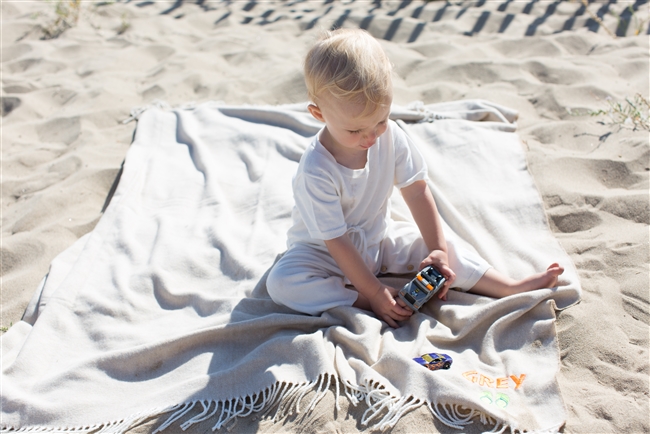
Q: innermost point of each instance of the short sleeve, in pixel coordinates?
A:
(409, 163)
(319, 205)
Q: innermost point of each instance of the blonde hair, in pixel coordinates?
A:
(351, 65)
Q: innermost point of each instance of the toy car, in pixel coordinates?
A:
(423, 286)
(435, 361)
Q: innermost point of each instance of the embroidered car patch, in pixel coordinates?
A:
(435, 361)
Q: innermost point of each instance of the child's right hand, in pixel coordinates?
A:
(439, 260)
(388, 306)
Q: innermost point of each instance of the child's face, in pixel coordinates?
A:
(346, 126)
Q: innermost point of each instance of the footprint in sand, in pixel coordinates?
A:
(9, 104)
(575, 221)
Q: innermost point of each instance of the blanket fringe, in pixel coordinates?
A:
(457, 416)
(381, 404)
(283, 399)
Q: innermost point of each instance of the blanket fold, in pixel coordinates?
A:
(162, 308)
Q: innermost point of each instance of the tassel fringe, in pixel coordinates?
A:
(283, 399)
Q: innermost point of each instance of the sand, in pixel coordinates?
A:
(558, 63)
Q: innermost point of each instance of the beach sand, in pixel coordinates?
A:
(558, 63)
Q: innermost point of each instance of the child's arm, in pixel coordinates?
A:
(420, 201)
(381, 297)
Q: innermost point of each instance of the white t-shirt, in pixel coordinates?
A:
(332, 199)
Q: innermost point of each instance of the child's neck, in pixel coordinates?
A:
(350, 158)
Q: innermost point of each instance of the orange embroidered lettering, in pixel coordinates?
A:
(485, 381)
(518, 380)
(471, 376)
(498, 383)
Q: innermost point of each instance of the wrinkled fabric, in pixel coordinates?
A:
(164, 303)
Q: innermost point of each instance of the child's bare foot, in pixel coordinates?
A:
(495, 284)
(547, 279)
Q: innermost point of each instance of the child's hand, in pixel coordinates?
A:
(388, 306)
(439, 260)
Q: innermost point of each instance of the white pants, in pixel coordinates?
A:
(307, 279)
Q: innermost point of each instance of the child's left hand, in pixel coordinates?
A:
(438, 258)
(388, 306)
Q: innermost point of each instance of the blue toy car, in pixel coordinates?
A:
(435, 361)
(424, 286)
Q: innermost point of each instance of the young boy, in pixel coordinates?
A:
(342, 235)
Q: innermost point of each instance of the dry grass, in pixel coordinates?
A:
(124, 24)
(67, 14)
(597, 19)
(638, 24)
(632, 113)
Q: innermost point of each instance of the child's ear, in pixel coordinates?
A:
(315, 112)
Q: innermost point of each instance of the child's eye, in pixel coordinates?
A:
(355, 132)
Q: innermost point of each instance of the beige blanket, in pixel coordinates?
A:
(162, 308)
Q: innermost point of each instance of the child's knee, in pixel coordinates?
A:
(283, 284)
(275, 282)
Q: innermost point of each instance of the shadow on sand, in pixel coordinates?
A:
(405, 20)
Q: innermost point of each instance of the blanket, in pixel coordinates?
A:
(162, 308)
